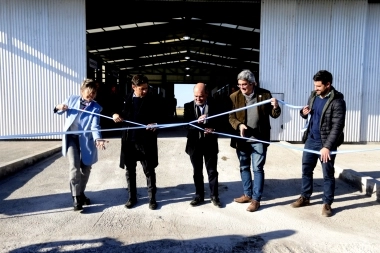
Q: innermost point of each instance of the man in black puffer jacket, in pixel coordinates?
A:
(325, 114)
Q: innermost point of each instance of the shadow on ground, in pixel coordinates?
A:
(274, 189)
(228, 243)
(20, 178)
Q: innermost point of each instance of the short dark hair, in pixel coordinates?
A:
(324, 76)
(139, 79)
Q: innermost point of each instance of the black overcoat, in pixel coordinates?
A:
(149, 112)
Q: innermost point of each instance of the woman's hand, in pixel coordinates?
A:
(61, 107)
(100, 144)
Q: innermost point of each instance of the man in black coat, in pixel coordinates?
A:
(142, 107)
(326, 113)
(203, 143)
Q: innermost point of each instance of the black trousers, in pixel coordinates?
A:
(210, 161)
(130, 173)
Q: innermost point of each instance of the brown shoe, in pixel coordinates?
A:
(300, 202)
(326, 210)
(243, 199)
(253, 206)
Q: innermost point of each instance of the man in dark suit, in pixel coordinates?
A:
(142, 107)
(203, 143)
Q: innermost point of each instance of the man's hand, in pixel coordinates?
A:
(201, 118)
(242, 129)
(209, 130)
(325, 155)
(274, 102)
(305, 110)
(151, 127)
(116, 117)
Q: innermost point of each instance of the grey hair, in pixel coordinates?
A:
(246, 75)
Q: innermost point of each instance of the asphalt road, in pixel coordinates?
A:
(36, 213)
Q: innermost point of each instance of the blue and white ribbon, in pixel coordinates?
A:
(160, 126)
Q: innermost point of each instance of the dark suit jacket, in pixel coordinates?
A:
(210, 142)
(149, 112)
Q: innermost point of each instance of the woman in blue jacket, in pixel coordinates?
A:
(81, 145)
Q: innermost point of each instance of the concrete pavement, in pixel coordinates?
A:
(360, 167)
(36, 210)
(16, 155)
(357, 165)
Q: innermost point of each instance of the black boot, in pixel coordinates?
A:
(130, 203)
(85, 201)
(77, 203)
(152, 203)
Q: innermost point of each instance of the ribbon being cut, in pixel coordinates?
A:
(138, 126)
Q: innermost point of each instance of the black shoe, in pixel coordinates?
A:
(130, 203)
(216, 201)
(196, 201)
(77, 203)
(85, 201)
(152, 204)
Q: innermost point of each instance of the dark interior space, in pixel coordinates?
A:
(171, 42)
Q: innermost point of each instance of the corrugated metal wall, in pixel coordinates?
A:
(42, 61)
(370, 119)
(298, 38)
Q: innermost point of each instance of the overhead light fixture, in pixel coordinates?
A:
(187, 68)
(187, 75)
(186, 37)
(187, 57)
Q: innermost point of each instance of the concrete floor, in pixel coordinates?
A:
(36, 213)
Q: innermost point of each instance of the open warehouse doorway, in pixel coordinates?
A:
(171, 42)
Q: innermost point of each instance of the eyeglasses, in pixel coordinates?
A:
(243, 85)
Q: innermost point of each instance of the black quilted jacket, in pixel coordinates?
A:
(332, 119)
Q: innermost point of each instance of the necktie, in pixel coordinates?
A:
(201, 134)
(199, 111)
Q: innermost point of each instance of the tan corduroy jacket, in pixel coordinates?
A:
(240, 117)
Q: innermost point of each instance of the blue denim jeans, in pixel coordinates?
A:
(309, 161)
(254, 154)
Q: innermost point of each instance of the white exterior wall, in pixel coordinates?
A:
(370, 120)
(42, 61)
(298, 38)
